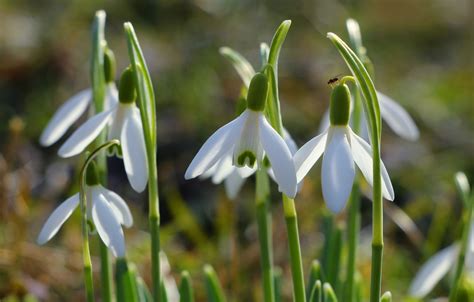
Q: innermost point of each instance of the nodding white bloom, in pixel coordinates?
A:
(125, 125)
(249, 138)
(392, 113)
(341, 148)
(234, 177)
(440, 264)
(106, 209)
(74, 107)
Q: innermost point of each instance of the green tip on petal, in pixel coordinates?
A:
(127, 92)
(242, 159)
(257, 94)
(340, 105)
(92, 174)
(109, 65)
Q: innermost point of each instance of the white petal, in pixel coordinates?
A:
(223, 169)
(397, 118)
(289, 141)
(362, 153)
(133, 149)
(57, 218)
(209, 172)
(108, 226)
(249, 141)
(246, 172)
(233, 183)
(215, 147)
(305, 158)
(85, 134)
(338, 170)
(117, 121)
(324, 125)
(279, 156)
(432, 271)
(64, 117)
(125, 216)
(111, 96)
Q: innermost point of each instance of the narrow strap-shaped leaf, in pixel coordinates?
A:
(240, 63)
(277, 283)
(316, 292)
(328, 293)
(164, 293)
(97, 61)
(144, 294)
(125, 279)
(186, 293)
(215, 293)
(277, 43)
(315, 274)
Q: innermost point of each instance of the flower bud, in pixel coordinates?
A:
(340, 105)
(257, 94)
(109, 65)
(127, 93)
(92, 174)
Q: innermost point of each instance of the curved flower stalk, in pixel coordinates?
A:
(248, 139)
(107, 211)
(391, 112)
(125, 124)
(341, 148)
(74, 107)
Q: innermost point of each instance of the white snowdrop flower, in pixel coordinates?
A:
(125, 125)
(440, 264)
(106, 209)
(341, 148)
(392, 113)
(249, 138)
(74, 107)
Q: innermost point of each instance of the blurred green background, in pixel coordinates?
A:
(423, 52)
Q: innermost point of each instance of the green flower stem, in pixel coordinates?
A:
(105, 272)
(353, 239)
(462, 252)
(146, 103)
(264, 223)
(371, 105)
(296, 262)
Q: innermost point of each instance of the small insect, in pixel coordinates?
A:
(333, 80)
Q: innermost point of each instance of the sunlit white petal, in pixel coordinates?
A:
(305, 158)
(432, 271)
(216, 145)
(85, 134)
(133, 149)
(280, 157)
(249, 141)
(289, 141)
(233, 183)
(111, 96)
(223, 169)
(338, 170)
(57, 218)
(324, 125)
(108, 226)
(362, 153)
(64, 117)
(397, 118)
(125, 216)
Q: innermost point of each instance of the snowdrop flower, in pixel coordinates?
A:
(440, 264)
(125, 125)
(248, 138)
(73, 108)
(341, 148)
(106, 209)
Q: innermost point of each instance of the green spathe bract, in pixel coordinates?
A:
(127, 91)
(340, 105)
(257, 94)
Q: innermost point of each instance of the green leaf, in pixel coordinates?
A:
(215, 293)
(316, 292)
(144, 294)
(241, 65)
(146, 94)
(97, 61)
(328, 293)
(186, 293)
(277, 283)
(315, 274)
(277, 42)
(164, 293)
(463, 187)
(125, 279)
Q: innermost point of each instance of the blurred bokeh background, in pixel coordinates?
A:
(423, 53)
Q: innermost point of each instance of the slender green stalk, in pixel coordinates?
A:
(262, 195)
(299, 294)
(146, 102)
(105, 272)
(353, 238)
(462, 253)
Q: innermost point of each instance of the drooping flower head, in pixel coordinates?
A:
(74, 107)
(106, 210)
(125, 124)
(248, 139)
(343, 150)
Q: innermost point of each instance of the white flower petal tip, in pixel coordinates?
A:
(123, 211)
(305, 158)
(280, 157)
(433, 271)
(397, 118)
(134, 154)
(57, 219)
(108, 226)
(338, 170)
(85, 134)
(215, 147)
(64, 117)
(233, 183)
